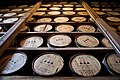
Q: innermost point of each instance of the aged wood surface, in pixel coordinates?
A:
(56, 78)
(8, 37)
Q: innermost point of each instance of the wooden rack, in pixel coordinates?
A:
(112, 36)
(8, 37)
(99, 51)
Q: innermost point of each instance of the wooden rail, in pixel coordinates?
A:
(57, 78)
(8, 37)
(112, 36)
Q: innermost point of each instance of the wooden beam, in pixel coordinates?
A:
(10, 35)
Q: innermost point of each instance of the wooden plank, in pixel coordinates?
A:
(92, 14)
(33, 10)
(55, 49)
(112, 36)
(57, 78)
(8, 37)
